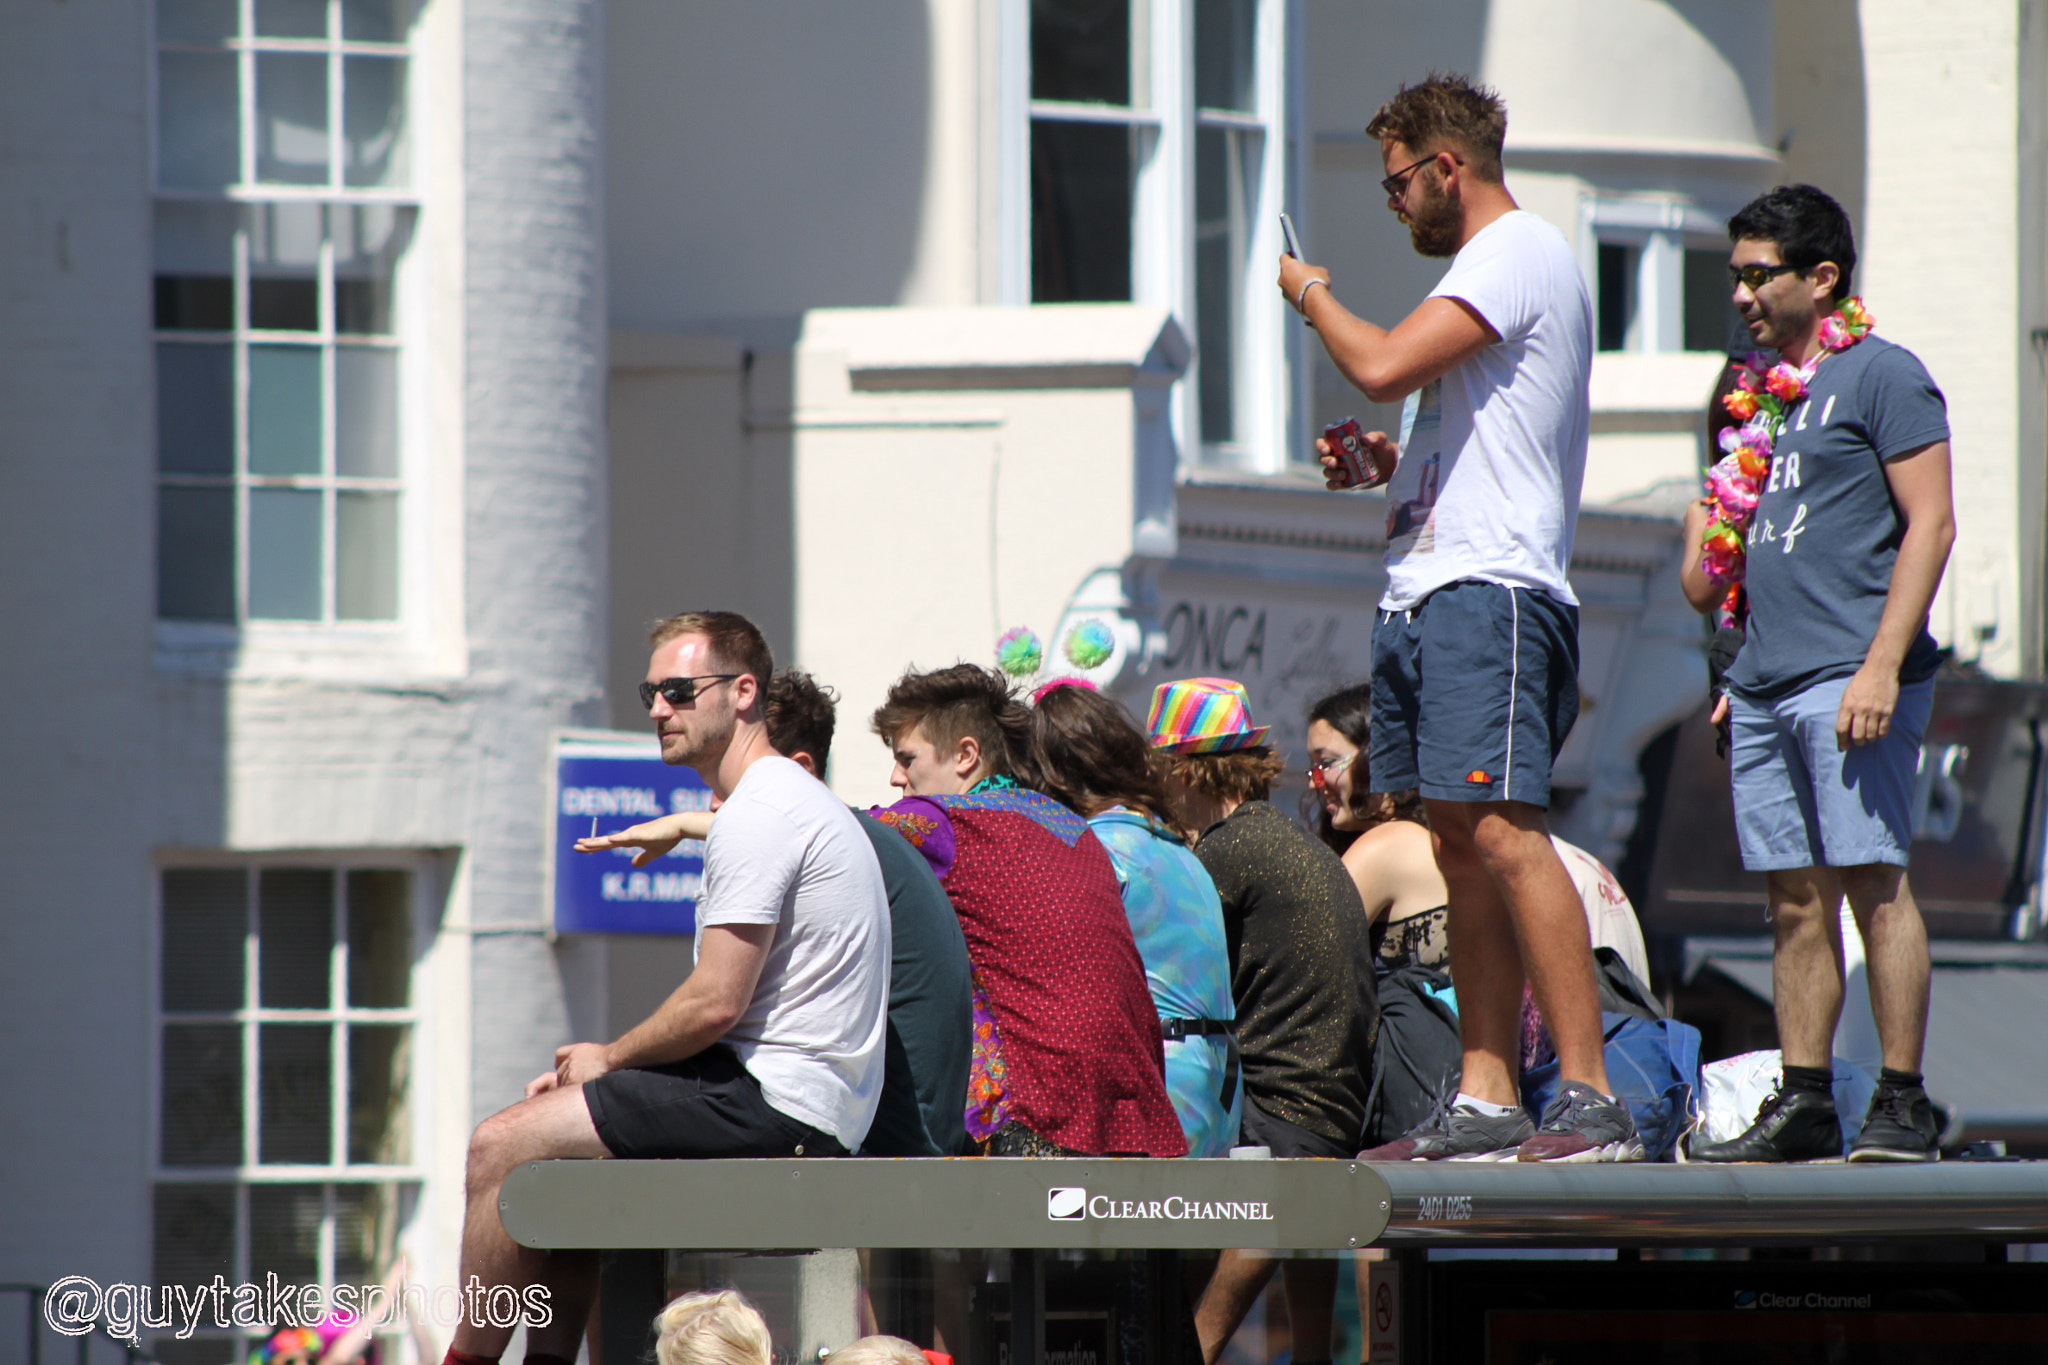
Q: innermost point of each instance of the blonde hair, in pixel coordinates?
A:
(718, 1328)
(878, 1350)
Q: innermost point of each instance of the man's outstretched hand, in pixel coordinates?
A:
(655, 838)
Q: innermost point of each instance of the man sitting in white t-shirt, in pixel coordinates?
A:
(1475, 651)
(772, 1046)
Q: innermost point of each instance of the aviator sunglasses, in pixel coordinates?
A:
(679, 691)
(1756, 276)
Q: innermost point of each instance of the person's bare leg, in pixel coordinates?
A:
(1239, 1279)
(1485, 962)
(1895, 956)
(1513, 839)
(555, 1123)
(1311, 1303)
(1806, 963)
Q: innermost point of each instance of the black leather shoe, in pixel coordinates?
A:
(1791, 1125)
(1899, 1127)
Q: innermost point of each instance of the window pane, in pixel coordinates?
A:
(291, 18)
(197, 114)
(1080, 213)
(1711, 322)
(284, 1233)
(366, 412)
(284, 410)
(195, 267)
(195, 554)
(206, 920)
(202, 1095)
(379, 938)
(373, 120)
(366, 556)
(368, 240)
(375, 21)
(366, 1223)
(291, 118)
(1617, 268)
(202, 21)
(295, 930)
(1216, 279)
(284, 554)
(1081, 50)
(194, 1234)
(1223, 54)
(195, 408)
(294, 1075)
(284, 267)
(379, 1074)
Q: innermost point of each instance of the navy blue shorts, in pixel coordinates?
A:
(1473, 693)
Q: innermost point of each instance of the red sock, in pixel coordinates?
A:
(455, 1357)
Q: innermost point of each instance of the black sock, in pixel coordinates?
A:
(1814, 1080)
(1888, 1079)
(543, 1358)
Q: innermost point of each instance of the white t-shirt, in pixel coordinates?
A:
(785, 851)
(1610, 919)
(1493, 453)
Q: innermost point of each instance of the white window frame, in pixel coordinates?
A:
(339, 1013)
(1660, 230)
(1268, 359)
(210, 646)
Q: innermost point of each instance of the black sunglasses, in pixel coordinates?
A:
(1397, 183)
(1756, 276)
(679, 691)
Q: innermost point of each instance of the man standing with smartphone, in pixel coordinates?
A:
(1475, 652)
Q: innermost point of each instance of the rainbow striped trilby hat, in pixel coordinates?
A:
(1202, 716)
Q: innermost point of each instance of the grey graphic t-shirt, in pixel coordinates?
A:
(1826, 531)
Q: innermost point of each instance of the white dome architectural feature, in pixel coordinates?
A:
(1666, 78)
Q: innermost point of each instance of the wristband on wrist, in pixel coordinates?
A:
(1302, 298)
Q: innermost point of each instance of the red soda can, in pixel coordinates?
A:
(1347, 443)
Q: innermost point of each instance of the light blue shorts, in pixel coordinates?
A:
(1800, 801)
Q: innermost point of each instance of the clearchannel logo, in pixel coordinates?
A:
(1073, 1204)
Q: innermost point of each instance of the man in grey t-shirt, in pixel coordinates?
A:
(1831, 692)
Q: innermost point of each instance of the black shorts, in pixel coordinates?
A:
(704, 1106)
(1261, 1129)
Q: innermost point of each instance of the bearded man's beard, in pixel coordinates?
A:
(1437, 223)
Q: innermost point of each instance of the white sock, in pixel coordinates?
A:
(1486, 1107)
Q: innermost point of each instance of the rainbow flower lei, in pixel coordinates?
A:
(1763, 396)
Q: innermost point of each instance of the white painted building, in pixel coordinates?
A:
(376, 372)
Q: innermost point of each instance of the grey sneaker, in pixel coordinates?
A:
(1582, 1124)
(1900, 1126)
(1459, 1133)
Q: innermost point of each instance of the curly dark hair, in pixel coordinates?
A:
(947, 705)
(801, 714)
(1445, 111)
(1348, 711)
(1089, 754)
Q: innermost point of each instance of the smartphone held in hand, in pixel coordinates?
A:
(1347, 443)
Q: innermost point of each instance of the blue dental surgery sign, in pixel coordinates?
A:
(608, 781)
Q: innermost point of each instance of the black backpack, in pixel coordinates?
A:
(1417, 1058)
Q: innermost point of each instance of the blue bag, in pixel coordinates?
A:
(1654, 1066)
